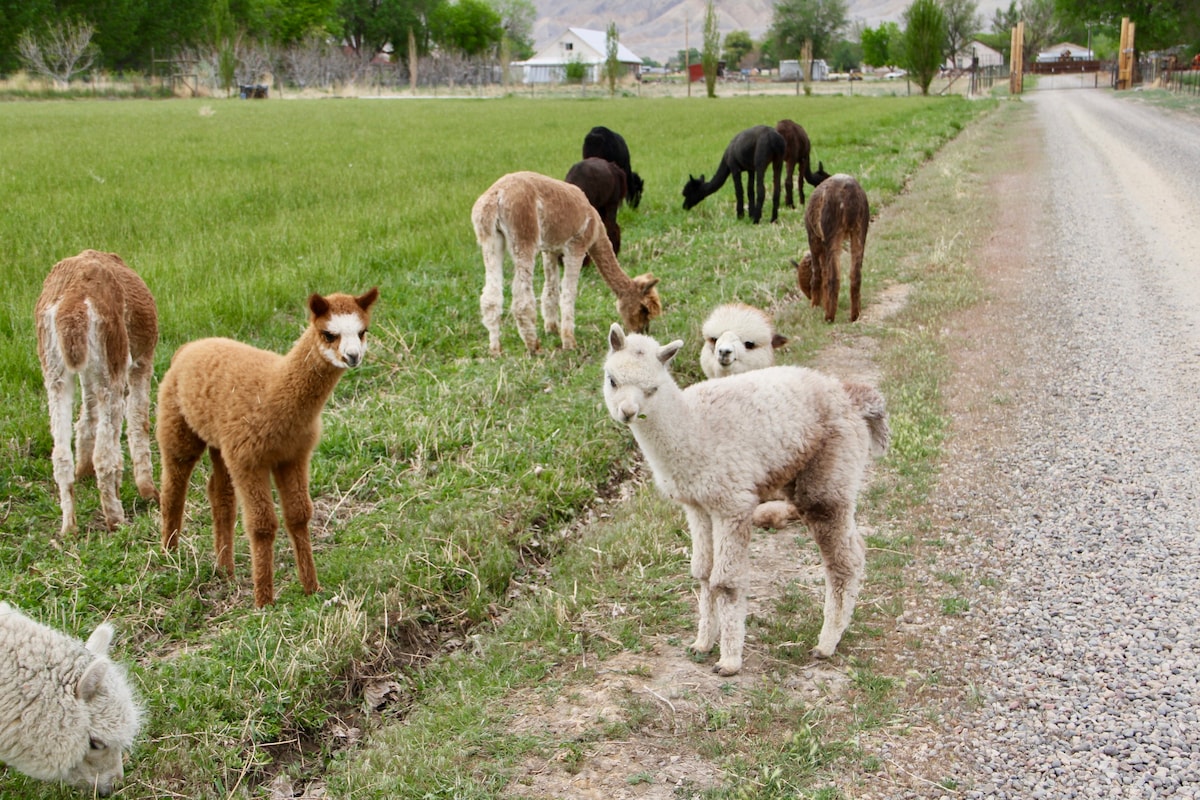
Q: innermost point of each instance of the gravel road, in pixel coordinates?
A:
(1087, 502)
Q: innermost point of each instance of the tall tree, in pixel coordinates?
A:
(1042, 28)
(17, 17)
(881, 45)
(1160, 23)
(795, 21)
(737, 45)
(517, 18)
(962, 23)
(712, 48)
(369, 25)
(612, 59)
(467, 26)
(924, 41)
(1004, 20)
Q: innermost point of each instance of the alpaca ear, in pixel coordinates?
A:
(91, 681)
(367, 299)
(668, 351)
(616, 337)
(318, 305)
(101, 638)
(778, 341)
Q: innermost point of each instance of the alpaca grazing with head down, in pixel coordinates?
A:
(751, 151)
(600, 142)
(258, 414)
(797, 157)
(738, 338)
(97, 322)
(837, 212)
(528, 213)
(721, 447)
(604, 184)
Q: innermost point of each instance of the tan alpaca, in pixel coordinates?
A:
(97, 321)
(259, 415)
(530, 213)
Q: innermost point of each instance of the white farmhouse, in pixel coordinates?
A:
(587, 47)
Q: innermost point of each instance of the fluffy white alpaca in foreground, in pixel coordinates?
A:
(97, 321)
(738, 338)
(258, 414)
(66, 711)
(720, 447)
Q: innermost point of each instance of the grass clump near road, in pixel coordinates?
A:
(450, 487)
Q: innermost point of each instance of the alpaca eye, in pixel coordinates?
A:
(712, 340)
(363, 335)
(612, 381)
(750, 345)
(329, 338)
(96, 744)
(650, 392)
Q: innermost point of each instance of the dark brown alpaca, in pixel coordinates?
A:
(604, 184)
(838, 211)
(798, 153)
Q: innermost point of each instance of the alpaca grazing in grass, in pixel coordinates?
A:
(837, 212)
(528, 213)
(797, 157)
(600, 142)
(721, 447)
(258, 414)
(738, 338)
(604, 184)
(97, 321)
(751, 151)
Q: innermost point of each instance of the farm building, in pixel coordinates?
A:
(587, 47)
(1065, 51)
(988, 56)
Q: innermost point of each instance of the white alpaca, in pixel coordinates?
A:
(66, 711)
(738, 338)
(720, 447)
(530, 213)
(259, 415)
(97, 321)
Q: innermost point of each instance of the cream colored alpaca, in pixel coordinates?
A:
(738, 338)
(530, 213)
(97, 321)
(259, 415)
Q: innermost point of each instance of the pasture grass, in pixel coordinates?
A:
(451, 488)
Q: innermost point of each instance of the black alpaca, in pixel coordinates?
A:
(798, 152)
(604, 184)
(601, 142)
(750, 151)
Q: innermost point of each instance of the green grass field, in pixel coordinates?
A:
(444, 477)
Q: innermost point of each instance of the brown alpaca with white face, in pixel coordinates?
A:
(258, 414)
(837, 212)
(528, 213)
(97, 321)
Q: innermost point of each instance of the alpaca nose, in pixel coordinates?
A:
(628, 411)
(725, 355)
(352, 359)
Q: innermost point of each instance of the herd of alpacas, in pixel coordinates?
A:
(753, 445)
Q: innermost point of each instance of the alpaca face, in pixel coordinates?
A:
(692, 191)
(341, 322)
(113, 720)
(634, 371)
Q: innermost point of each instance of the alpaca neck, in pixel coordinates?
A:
(718, 179)
(669, 438)
(606, 263)
(305, 379)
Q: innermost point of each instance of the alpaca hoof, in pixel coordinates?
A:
(725, 670)
(148, 493)
(822, 654)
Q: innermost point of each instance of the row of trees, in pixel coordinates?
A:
(130, 35)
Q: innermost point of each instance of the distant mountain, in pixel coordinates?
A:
(658, 29)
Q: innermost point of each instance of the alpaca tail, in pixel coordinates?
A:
(869, 403)
(71, 331)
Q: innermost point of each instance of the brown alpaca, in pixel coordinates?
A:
(259, 415)
(97, 320)
(530, 213)
(798, 153)
(837, 211)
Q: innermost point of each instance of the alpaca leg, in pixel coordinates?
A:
(551, 292)
(857, 245)
(60, 396)
(292, 481)
(491, 302)
(737, 191)
(791, 166)
(843, 555)
(758, 194)
(700, 525)
(830, 281)
(222, 498)
(816, 273)
(776, 170)
(523, 309)
(258, 515)
(85, 432)
(179, 449)
(573, 263)
(731, 546)
(137, 428)
(109, 391)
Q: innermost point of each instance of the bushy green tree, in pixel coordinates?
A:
(737, 45)
(795, 21)
(467, 26)
(924, 41)
(1160, 23)
(517, 18)
(881, 45)
(16, 17)
(712, 47)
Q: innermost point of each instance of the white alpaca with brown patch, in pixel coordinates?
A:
(527, 213)
(258, 414)
(97, 322)
(719, 448)
(738, 338)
